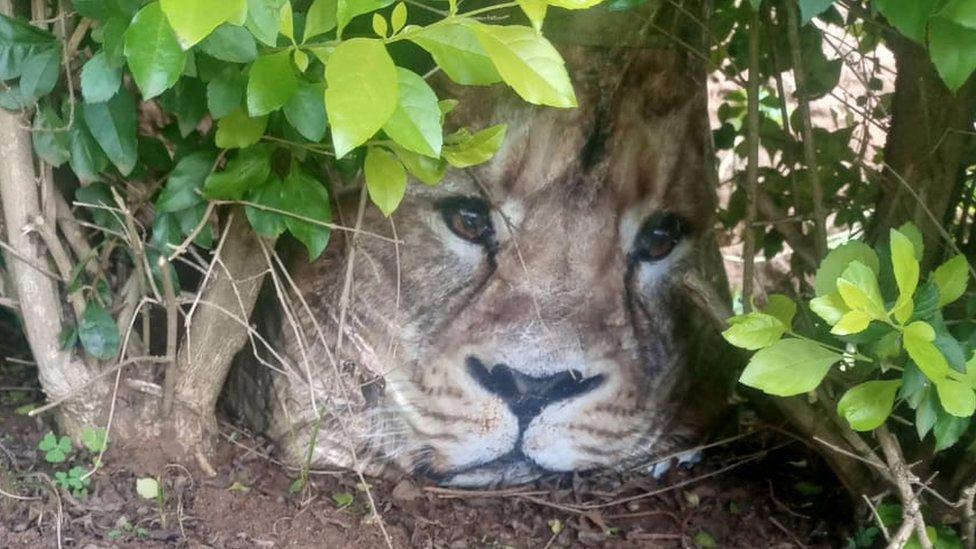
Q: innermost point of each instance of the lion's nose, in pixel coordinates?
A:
(527, 395)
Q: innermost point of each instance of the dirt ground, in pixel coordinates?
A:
(760, 490)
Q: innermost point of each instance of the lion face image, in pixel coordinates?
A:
(522, 317)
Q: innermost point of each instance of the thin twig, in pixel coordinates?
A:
(172, 320)
(911, 508)
(752, 168)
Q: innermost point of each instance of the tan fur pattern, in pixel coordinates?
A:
(568, 191)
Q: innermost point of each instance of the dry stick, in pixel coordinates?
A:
(59, 370)
(809, 149)
(172, 320)
(911, 510)
(968, 516)
(877, 518)
(752, 168)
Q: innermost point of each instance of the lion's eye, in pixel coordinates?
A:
(658, 237)
(469, 218)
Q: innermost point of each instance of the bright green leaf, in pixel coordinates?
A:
(858, 286)
(428, 170)
(271, 84)
(476, 149)
(914, 234)
(957, 398)
(868, 405)
(238, 130)
(300, 58)
(906, 269)
(346, 10)
(528, 63)
(837, 260)
(287, 21)
(193, 20)
(830, 307)
(399, 17)
(962, 12)
(789, 367)
(535, 10)
(951, 278)
(265, 207)
(386, 179)
(321, 18)
(153, 52)
(853, 322)
(457, 51)
(917, 339)
(782, 307)
(416, 123)
(574, 4)
(754, 331)
(361, 94)
(379, 25)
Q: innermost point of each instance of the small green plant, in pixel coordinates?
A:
(343, 499)
(885, 330)
(151, 488)
(56, 450)
(74, 481)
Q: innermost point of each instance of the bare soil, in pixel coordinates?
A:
(761, 490)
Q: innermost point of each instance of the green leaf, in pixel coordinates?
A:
(152, 51)
(917, 339)
(754, 331)
(386, 179)
(361, 94)
(812, 8)
(19, 41)
(113, 40)
(535, 10)
(457, 51)
(249, 169)
(193, 20)
(789, 367)
(948, 430)
(102, 10)
(868, 405)
(914, 234)
(183, 185)
(300, 58)
(231, 43)
(905, 268)
(147, 488)
(858, 286)
(908, 17)
(951, 278)
(87, 159)
(304, 196)
(99, 79)
(94, 439)
(305, 111)
(343, 499)
(574, 4)
(781, 307)
(398, 18)
(926, 414)
(957, 398)
(50, 136)
(238, 130)
(477, 148)
(225, 92)
(962, 12)
(264, 20)
(321, 18)
(852, 322)
(187, 100)
(528, 63)
(416, 123)
(266, 221)
(98, 332)
(428, 170)
(272, 82)
(346, 10)
(952, 48)
(837, 260)
(40, 73)
(380, 27)
(113, 125)
(830, 307)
